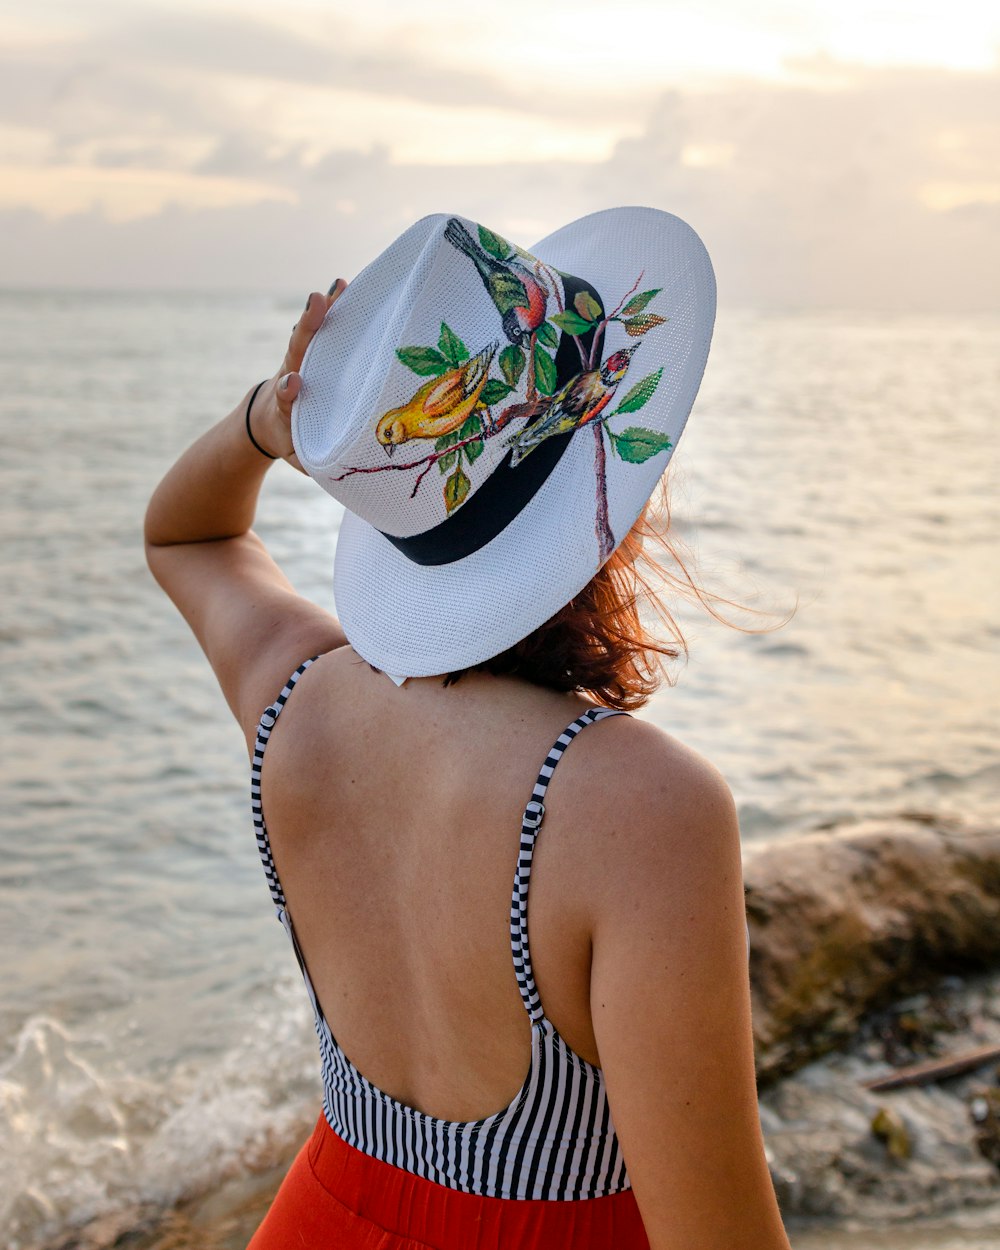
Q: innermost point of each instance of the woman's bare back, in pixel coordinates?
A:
(394, 816)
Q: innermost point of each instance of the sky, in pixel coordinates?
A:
(833, 154)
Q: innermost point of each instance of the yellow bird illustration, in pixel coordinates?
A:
(440, 405)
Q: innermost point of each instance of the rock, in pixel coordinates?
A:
(984, 1108)
(843, 1152)
(888, 1125)
(844, 923)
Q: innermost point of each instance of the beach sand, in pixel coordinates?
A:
(227, 1219)
(909, 1237)
(223, 1220)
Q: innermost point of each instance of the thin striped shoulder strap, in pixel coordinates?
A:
(264, 727)
(531, 822)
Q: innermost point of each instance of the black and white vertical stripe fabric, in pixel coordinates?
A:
(555, 1141)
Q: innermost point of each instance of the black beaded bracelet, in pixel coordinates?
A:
(249, 431)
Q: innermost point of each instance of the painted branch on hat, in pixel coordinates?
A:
(602, 522)
(426, 462)
(585, 315)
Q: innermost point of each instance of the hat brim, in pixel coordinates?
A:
(423, 620)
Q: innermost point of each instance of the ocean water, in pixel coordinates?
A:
(154, 1038)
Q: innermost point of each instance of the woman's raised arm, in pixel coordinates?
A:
(253, 627)
(670, 1001)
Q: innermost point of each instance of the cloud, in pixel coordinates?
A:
(827, 194)
(819, 201)
(332, 56)
(143, 67)
(81, 101)
(229, 93)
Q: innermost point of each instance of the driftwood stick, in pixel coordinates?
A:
(935, 1069)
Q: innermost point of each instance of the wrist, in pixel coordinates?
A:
(249, 424)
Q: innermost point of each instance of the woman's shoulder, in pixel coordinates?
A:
(655, 815)
(637, 768)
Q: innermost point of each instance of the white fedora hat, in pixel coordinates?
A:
(494, 419)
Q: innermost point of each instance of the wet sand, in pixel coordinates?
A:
(225, 1220)
(228, 1218)
(903, 1237)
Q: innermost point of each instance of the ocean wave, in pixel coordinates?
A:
(81, 1144)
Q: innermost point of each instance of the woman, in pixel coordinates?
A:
(481, 608)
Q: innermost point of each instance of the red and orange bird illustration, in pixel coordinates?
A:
(519, 297)
(579, 402)
(440, 405)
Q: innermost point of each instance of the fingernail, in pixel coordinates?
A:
(333, 286)
(308, 302)
(283, 384)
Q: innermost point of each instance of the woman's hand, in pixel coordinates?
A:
(271, 413)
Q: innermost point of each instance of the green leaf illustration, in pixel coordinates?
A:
(512, 364)
(572, 323)
(546, 334)
(423, 360)
(545, 371)
(638, 302)
(451, 346)
(445, 441)
(471, 425)
(473, 449)
(449, 461)
(640, 393)
(637, 445)
(494, 391)
(638, 326)
(494, 244)
(507, 291)
(455, 489)
(588, 307)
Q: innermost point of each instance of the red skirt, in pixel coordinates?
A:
(338, 1198)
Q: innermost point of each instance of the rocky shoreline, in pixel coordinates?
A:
(872, 947)
(840, 1152)
(846, 921)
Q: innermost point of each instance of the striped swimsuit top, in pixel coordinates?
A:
(554, 1141)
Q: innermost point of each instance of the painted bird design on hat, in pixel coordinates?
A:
(518, 295)
(579, 402)
(440, 406)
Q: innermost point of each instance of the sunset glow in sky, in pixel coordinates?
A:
(832, 154)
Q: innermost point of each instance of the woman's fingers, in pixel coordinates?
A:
(303, 330)
(276, 399)
(307, 325)
(286, 392)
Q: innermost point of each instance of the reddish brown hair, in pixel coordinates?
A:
(598, 644)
